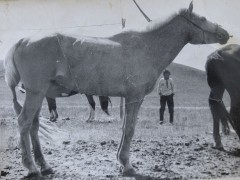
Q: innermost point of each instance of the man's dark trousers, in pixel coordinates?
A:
(170, 103)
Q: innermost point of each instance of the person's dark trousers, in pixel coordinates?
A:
(169, 101)
(51, 104)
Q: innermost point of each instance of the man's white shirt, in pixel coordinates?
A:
(166, 87)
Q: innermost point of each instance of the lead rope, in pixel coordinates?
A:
(146, 17)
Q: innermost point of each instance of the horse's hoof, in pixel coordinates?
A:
(32, 176)
(129, 173)
(220, 148)
(46, 172)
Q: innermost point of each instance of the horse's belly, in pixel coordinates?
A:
(97, 86)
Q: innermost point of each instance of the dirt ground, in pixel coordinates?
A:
(79, 150)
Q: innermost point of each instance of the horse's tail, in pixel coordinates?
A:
(104, 100)
(12, 76)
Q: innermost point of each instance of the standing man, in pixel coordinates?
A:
(166, 91)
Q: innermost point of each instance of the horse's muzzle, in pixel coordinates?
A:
(223, 36)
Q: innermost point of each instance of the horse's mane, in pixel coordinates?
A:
(157, 24)
(152, 26)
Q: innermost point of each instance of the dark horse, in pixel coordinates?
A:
(223, 73)
(126, 65)
(102, 99)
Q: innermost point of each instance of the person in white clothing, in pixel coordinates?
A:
(166, 91)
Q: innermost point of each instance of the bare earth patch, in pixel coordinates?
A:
(91, 153)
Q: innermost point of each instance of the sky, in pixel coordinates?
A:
(29, 18)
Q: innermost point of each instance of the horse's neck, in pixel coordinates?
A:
(165, 43)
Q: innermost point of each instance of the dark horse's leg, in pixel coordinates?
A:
(92, 105)
(52, 106)
(217, 107)
(104, 103)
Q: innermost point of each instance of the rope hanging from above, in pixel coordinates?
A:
(146, 17)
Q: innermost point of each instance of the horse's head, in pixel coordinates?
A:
(203, 31)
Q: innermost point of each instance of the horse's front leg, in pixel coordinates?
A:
(130, 119)
(30, 108)
(39, 158)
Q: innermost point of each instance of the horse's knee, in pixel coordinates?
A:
(34, 128)
(24, 126)
(25, 121)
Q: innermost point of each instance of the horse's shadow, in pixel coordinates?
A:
(235, 152)
(232, 152)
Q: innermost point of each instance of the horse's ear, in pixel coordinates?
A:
(190, 8)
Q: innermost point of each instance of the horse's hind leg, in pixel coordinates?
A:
(215, 103)
(130, 119)
(224, 119)
(31, 106)
(39, 158)
(92, 105)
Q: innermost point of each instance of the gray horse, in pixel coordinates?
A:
(124, 65)
(223, 73)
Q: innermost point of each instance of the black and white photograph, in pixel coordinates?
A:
(119, 89)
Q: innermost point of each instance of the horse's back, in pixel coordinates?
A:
(231, 52)
(222, 66)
